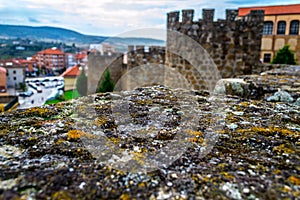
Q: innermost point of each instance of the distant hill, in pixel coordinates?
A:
(45, 33)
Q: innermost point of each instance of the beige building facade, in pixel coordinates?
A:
(281, 27)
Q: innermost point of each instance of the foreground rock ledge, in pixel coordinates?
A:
(256, 155)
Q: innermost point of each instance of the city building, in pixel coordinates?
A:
(70, 59)
(281, 27)
(52, 59)
(31, 70)
(81, 58)
(70, 76)
(15, 72)
(103, 48)
(2, 79)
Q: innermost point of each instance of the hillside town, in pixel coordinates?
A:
(44, 76)
(213, 114)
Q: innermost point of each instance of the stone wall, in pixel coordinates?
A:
(145, 66)
(139, 55)
(98, 63)
(233, 44)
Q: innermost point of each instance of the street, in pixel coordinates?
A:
(38, 99)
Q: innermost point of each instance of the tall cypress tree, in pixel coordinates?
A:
(81, 83)
(107, 84)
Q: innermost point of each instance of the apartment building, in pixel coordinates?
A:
(15, 72)
(52, 58)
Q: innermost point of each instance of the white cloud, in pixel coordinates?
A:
(108, 17)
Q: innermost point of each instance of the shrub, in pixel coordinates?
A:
(284, 56)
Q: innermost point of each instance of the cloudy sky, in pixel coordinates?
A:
(110, 17)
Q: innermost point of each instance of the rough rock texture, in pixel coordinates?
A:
(257, 154)
(285, 79)
(277, 85)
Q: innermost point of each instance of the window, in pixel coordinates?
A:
(281, 28)
(267, 58)
(14, 72)
(294, 27)
(15, 78)
(268, 28)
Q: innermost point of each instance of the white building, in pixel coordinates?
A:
(15, 73)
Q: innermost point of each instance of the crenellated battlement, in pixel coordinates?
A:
(233, 43)
(139, 55)
(208, 16)
(187, 16)
(142, 49)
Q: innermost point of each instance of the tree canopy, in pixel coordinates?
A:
(107, 84)
(284, 56)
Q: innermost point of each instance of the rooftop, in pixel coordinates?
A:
(52, 51)
(272, 10)
(71, 72)
(2, 70)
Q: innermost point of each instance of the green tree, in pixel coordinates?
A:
(107, 84)
(284, 56)
(22, 86)
(81, 83)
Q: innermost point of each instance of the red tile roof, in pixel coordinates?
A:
(22, 61)
(52, 51)
(71, 72)
(2, 70)
(12, 63)
(81, 55)
(272, 10)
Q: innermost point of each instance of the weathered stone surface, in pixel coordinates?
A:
(239, 87)
(281, 84)
(256, 154)
(283, 79)
(282, 96)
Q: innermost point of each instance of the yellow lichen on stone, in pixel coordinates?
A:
(115, 140)
(1, 107)
(75, 134)
(60, 141)
(227, 175)
(194, 133)
(283, 149)
(196, 136)
(125, 197)
(294, 180)
(61, 195)
(139, 157)
(267, 131)
(222, 165)
(245, 104)
(101, 120)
